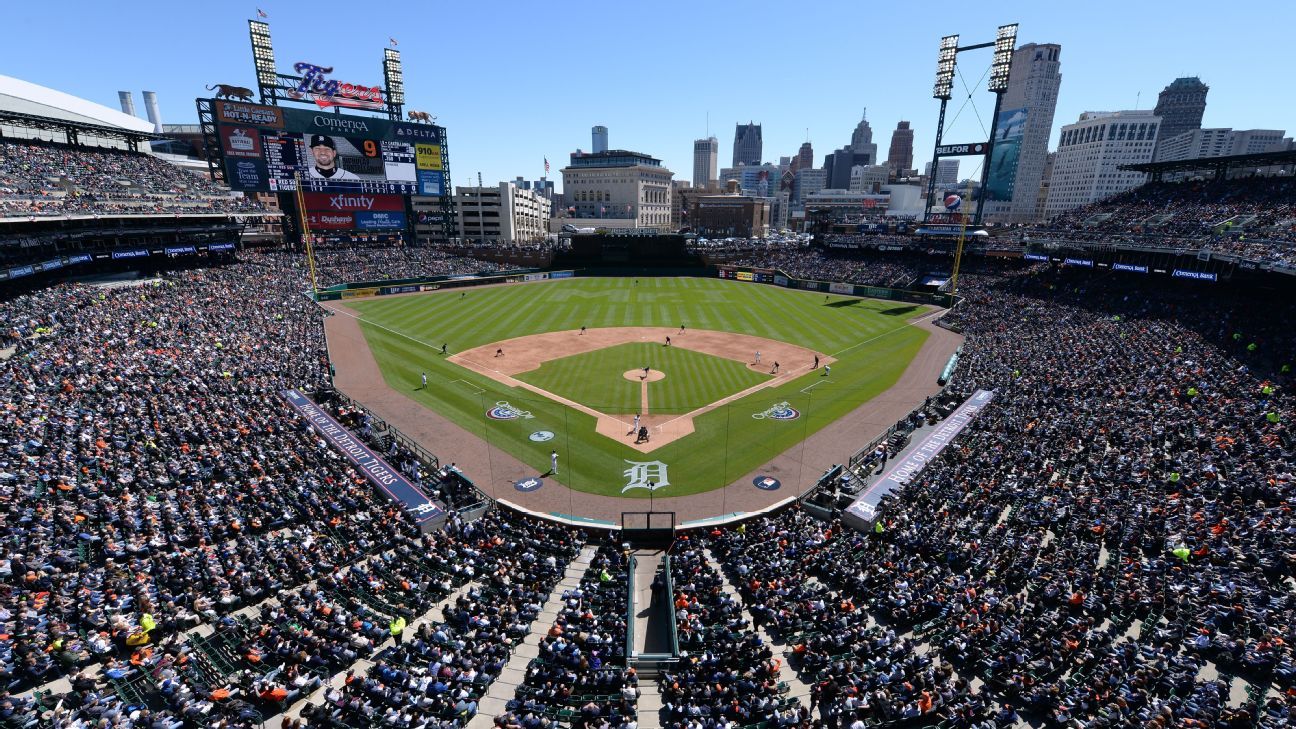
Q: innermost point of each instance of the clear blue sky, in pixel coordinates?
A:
(515, 82)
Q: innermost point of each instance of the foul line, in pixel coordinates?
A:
(466, 382)
(807, 387)
(888, 333)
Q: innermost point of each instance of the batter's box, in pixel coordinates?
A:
(476, 390)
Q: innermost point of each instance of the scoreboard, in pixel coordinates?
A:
(268, 148)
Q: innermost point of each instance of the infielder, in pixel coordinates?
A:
(827, 369)
(553, 462)
(758, 356)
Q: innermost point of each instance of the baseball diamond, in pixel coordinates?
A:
(569, 357)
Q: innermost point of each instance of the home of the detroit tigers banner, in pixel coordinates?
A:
(422, 509)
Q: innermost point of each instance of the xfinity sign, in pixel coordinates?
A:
(955, 150)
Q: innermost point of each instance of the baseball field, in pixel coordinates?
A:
(519, 372)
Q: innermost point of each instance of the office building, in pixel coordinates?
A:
(947, 172)
(804, 158)
(860, 151)
(900, 154)
(1022, 133)
(503, 213)
(1181, 106)
(618, 185)
(599, 138)
(1199, 143)
(1090, 153)
(869, 178)
(706, 153)
(747, 145)
(730, 216)
(808, 181)
(754, 180)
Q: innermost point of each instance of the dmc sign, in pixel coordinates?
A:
(951, 150)
(330, 92)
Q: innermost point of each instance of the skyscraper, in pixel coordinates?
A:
(747, 146)
(1181, 106)
(599, 136)
(1091, 152)
(706, 153)
(1022, 133)
(900, 154)
(804, 159)
(862, 137)
(860, 151)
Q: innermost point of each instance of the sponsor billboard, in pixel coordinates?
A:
(1009, 131)
(1195, 275)
(838, 287)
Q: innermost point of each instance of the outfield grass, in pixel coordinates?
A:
(597, 379)
(869, 338)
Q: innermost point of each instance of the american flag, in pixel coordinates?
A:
(546, 165)
(261, 13)
(393, 41)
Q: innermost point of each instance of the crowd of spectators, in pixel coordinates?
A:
(580, 675)
(342, 265)
(1109, 543)
(727, 674)
(1253, 218)
(44, 179)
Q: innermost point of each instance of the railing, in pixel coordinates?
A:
(630, 609)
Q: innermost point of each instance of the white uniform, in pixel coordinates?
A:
(636, 423)
(338, 174)
(424, 381)
(553, 462)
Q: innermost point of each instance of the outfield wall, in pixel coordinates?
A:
(775, 277)
(364, 289)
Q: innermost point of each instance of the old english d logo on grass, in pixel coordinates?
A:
(504, 411)
(649, 475)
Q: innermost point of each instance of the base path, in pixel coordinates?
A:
(495, 471)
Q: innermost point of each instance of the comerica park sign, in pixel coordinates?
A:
(955, 150)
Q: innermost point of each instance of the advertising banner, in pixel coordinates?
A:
(179, 250)
(1003, 160)
(1195, 275)
(379, 221)
(330, 221)
(838, 287)
(1129, 267)
(133, 253)
(780, 280)
(744, 276)
(1085, 262)
(1036, 257)
(353, 202)
(430, 182)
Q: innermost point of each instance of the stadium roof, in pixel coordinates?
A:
(23, 97)
(1260, 159)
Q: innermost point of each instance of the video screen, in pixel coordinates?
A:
(268, 149)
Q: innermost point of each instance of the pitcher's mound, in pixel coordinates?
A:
(638, 375)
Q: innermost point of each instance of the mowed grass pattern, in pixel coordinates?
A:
(870, 338)
(597, 379)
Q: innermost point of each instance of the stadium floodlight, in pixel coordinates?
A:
(263, 53)
(945, 62)
(393, 77)
(1004, 45)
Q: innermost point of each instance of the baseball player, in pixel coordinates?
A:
(553, 462)
(645, 372)
(774, 369)
(681, 328)
(635, 427)
(324, 150)
(582, 331)
(424, 381)
(758, 356)
(816, 364)
(443, 347)
(499, 352)
(667, 341)
(827, 369)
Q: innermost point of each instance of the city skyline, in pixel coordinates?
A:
(1109, 66)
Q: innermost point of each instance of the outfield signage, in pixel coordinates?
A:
(1195, 275)
(1084, 262)
(838, 287)
(863, 511)
(421, 508)
(1036, 257)
(1132, 268)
